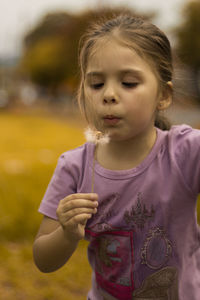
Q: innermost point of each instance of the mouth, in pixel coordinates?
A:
(111, 120)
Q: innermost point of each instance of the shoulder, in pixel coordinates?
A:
(182, 144)
(184, 149)
(184, 137)
(76, 157)
(74, 154)
(184, 131)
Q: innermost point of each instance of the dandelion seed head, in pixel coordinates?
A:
(96, 137)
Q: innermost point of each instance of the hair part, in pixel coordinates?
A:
(138, 34)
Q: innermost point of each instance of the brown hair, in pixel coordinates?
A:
(138, 34)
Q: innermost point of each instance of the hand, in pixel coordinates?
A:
(73, 213)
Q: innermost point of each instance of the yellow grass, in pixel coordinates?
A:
(20, 280)
(30, 147)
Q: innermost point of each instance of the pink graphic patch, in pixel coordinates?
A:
(113, 262)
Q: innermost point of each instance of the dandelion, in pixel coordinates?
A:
(96, 137)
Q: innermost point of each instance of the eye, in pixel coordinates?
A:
(97, 86)
(130, 84)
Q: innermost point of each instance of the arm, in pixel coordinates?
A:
(51, 250)
(57, 240)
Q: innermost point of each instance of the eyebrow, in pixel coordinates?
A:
(121, 72)
(91, 74)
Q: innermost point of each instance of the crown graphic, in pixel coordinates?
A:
(139, 214)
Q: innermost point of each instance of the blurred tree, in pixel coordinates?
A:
(51, 48)
(188, 35)
(44, 61)
(48, 53)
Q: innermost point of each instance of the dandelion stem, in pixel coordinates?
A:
(93, 168)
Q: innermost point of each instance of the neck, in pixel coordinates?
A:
(126, 154)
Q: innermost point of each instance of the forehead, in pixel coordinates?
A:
(111, 55)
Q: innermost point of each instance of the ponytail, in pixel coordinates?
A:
(162, 122)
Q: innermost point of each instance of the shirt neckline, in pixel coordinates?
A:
(124, 174)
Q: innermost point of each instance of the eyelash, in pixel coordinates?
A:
(96, 86)
(130, 84)
(126, 84)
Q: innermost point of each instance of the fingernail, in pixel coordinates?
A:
(94, 196)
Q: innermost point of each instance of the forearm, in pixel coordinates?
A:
(52, 251)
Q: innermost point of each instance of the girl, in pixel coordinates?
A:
(134, 197)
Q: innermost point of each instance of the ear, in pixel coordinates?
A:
(165, 97)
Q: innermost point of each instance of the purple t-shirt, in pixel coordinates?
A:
(144, 241)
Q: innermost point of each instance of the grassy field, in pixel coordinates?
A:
(20, 279)
(29, 148)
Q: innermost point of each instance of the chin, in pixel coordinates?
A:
(116, 137)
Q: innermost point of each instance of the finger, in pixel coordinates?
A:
(78, 211)
(66, 217)
(79, 203)
(79, 219)
(88, 196)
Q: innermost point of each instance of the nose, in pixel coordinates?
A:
(109, 100)
(110, 95)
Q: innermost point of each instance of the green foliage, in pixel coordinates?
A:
(189, 35)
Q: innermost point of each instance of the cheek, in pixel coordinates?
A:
(142, 108)
(91, 96)
(89, 99)
(147, 99)
(91, 112)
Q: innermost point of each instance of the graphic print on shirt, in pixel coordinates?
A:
(157, 249)
(113, 249)
(105, 212)
(139, 214)
(113, 252)
(161, 285)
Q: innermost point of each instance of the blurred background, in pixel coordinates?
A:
(39, 119)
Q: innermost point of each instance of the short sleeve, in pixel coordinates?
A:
(62, 184)
(187, 153)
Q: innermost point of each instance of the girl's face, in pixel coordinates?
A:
(121, 91)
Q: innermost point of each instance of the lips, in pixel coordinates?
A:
(111, 120)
